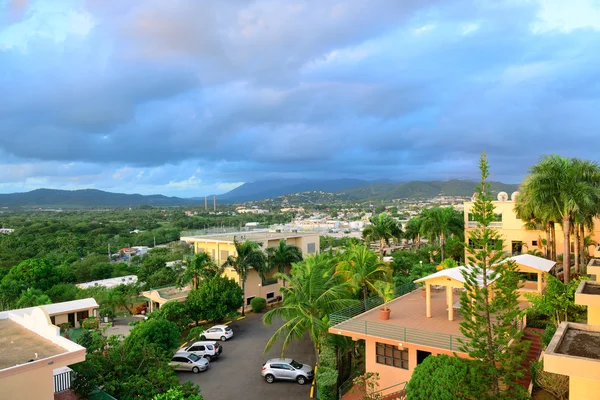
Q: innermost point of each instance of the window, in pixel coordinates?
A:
(534, 242)
(224, 255)
(249, 299)
(270, 295)
(310, 248)
(180, 359)
(391, 355)
(200, 250)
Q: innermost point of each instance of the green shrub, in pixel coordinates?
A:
(258, 304)
(533, 369)
(548, 334)
(327, 356)
(326, 381)
(90, 323)
(195, 333)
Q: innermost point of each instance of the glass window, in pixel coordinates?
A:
(387, 354)
(270, 295)
(310, 248)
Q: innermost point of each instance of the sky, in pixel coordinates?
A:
(190, 97)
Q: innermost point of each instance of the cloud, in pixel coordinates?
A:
(193, 98)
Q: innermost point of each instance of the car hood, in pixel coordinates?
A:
(306, 368)
(203, 361)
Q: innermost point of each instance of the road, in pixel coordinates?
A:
(236, 374)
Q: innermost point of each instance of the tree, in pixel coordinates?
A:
(248, 256)
(215, 299)
(444, 377)
(175, 312)
(158, 331)
(360, 267)
(176, 394)
(199, 267)
(33, 297)
(63, 292)
(382, 228)
(35, 273)
(565, 189)
(314, 291)
(413, 230)
(283, 256)
(439, 223)
(490, 303)
(558, 301)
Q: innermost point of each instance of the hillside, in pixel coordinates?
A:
(87, 198)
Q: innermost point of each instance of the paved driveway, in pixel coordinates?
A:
(236, 374)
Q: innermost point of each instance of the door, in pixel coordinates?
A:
(72, 319)
(288, 372)
(517, 248)
(422, 355)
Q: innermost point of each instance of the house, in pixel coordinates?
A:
(6, 231)
(110, 282)
(422, 323)
(71, 312)
(517, 239)
(574, 350)
(156, 298)
(34, 354)
(221, 246)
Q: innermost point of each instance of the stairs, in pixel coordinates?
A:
(532, 335)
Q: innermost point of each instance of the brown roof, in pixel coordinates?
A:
(19, 345)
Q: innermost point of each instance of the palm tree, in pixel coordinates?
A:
(198, 267)
(413, 230)
(440, 223)
(314, 291)
(362, 269)
(283, 256)
(382, 228)
(536, 221)
(565, 188)
(249, 255)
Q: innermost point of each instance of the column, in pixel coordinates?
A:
(449, 300)
(539, 289)
(428, 298)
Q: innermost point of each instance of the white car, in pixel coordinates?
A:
(217, 332)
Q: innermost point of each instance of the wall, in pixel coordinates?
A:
(36, 384)
(389, 375)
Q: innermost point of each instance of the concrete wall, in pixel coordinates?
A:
(36, 384)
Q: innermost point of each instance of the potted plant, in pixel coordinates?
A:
(385, 290)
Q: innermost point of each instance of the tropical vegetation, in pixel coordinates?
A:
(383, 227)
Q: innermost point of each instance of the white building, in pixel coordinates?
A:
(6, 231)
(110, 282)
(356, 225)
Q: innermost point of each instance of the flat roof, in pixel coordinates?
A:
(580, 343)
(56, 308)
(241, 236)
(19, 345)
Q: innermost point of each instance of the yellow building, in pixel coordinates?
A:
(575, 348)
(219, 247)
(422, 323)
(32, 349)
(156, 298)
(517, 239)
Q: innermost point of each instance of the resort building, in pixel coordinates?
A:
(34, 355)
(575, 348)
(110, 282)
(221, 246)
(71, 312)
(517, 239)
(155, 298)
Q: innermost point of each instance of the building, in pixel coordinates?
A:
(33, 354)
(221, 246)
(110, 282)
(72, 312)
(155, 298)
(6, 231)
(517, 239)
(574, 350)
(422, 322)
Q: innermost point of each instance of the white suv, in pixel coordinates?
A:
(210, 350)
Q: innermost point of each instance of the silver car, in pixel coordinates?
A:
(188, 362)
(287, 369)
(207, 349)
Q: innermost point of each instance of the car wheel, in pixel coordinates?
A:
(202, 337)
(223, 338)
(195, 370)
(301, 380)
(270, 378)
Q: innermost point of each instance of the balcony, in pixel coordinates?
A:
(494, 224)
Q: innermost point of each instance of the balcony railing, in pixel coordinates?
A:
(493, 224)
(372, 302)
(269, 281)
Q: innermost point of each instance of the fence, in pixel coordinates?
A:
(62, 380)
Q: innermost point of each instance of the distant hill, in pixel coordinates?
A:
(273, 188)
(87, 198)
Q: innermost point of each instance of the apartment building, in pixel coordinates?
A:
(221, 246)
(33, 353)
(517, 239)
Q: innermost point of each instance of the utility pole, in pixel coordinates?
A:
(214, 203)
(205, 203)
(108, 251)
(154, 240)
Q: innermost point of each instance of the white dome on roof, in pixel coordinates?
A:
(514, 195)
(502, 196)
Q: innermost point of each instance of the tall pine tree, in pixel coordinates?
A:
(490, 303)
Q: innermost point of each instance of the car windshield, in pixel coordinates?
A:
(193, 357)
(296, 364)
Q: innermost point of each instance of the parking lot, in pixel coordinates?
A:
(236, 373)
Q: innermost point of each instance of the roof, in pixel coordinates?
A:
(241, 236)
(57, 308)
(456, 274)
(110, 282)
(531, 261)
(20, 345)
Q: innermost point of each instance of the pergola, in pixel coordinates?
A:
(449, 278)
(528, 263)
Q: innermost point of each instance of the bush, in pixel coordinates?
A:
(195, 333)
(65, 326)
(326, 381)
(90, 323)
(163, 333)
(548, 334)
(258, 304)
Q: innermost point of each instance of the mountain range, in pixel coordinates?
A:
(311, 190)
